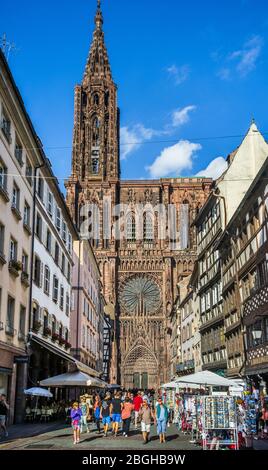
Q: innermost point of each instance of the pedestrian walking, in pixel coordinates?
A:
(76, 414)
(97, 412)
(105, 413)
(116, 412)
(161, 418)
(137, 402)
(146, 416)
(4, 407)
(127, 408)
(85, 414)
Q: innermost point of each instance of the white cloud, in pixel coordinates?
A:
(132, 138)
(214, 169)
(181, 116)
(244, 60)
(179, 74)
(173, 160)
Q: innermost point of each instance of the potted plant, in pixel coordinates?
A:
(36, 325)
(55, 336)
(47, 331)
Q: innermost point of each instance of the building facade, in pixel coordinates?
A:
(243, 248)
(19, 155)
(87, 308)
(228, 191)
(52, 266)
(138, 263)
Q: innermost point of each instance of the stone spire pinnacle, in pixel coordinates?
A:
(98, 62)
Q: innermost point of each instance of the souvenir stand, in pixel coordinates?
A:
(219, 423)
(205, 380)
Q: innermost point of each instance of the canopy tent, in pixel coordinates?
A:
(205, 377)
(170, 385)
(38, 392)
(73, 379)
(113, 386)
(177, 385)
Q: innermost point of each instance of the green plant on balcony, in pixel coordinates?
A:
(61, 340)
(67, 344)
(15, 265)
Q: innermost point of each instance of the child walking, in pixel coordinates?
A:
(76, 414)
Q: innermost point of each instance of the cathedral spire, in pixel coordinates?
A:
(98, 62)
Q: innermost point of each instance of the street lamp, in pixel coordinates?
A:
(256, 332)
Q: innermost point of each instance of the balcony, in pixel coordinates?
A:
(14, 267)
(24, 277)
(4, 193)
(185, 366)
(10, 331)
(16, 211)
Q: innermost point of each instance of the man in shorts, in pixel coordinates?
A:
(146, 416)
(116, 410)
(105, 413)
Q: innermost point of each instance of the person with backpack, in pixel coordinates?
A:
(105, 413)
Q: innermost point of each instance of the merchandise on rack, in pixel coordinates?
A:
(219, 423)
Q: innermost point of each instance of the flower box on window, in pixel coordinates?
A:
(47, 331)
(55, 336)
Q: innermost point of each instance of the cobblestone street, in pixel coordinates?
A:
(59, 437)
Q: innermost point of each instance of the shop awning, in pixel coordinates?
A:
(73, 363)
(205, 377)
(73, 379)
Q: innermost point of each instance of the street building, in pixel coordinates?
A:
(19, 155)
(87, 308)
(243, 166)
(52, 265)
(243, 248)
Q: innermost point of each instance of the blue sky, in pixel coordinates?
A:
(187, 74)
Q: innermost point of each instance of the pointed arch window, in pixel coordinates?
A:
(148, 227)
(96, 99)
(96, 131)
(131, 228)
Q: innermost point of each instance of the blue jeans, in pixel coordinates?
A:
(161, 426)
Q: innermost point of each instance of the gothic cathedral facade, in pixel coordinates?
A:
(140, 268)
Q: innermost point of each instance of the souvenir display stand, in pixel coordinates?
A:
(219, 423)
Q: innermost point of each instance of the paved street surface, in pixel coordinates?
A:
(55, 436)
(59, 437)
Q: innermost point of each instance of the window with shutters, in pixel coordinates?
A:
(64, 232)
(50, 203)
(13, 250)
(26, 214)
(16, 197)
(10, 312)
(67, 305)
(46, 280)
(63, 264)
(57, 253)
(58, 219)
(48, 241)
(3, 175)
(40, 188)
(29, 172)
(38, 227)
(37, 271)
(55, 289)
(61, 297)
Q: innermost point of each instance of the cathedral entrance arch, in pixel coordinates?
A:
(140, 368)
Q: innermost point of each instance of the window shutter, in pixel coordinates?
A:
(41, 273)
(49, 321)
(57, 327)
